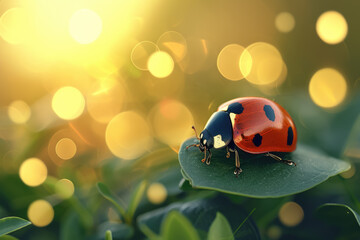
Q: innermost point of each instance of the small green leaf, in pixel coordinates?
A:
(107, 194)
(8, 237)
(11, 224)
(118, 230)
(108, 235)
(339, 214)
(220, 229)
(262, 177)
(135, 199)
(178, 227)
(148, 232)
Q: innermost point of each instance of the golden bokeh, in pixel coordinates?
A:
(174, 43)
(85, 26)
(128, 135)
(284, 22)
(171, 121)
(327, 88)
(105, 100)
(68, 103)
(156, 193)
(332, 27)
(160, 64)
(33, 172)
(141, 53)
(19, 112)
(40, 213)
(14, 25)
(291, 214)
(261, 64)
(228, 62)
(65, 148)
(64, 188)
(274, 232)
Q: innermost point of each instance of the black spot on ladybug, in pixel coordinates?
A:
(257, 139)
(269, 112)
(236, 108)
(290, 136)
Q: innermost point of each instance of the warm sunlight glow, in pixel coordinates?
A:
(261, 64)
(33, 172)
(285, 22)
(85, 26)
(14, 25)
(171, 121)
(64, 188)
(68, 103)
(327, 88)
(65, 148)
(174, 43)
(105, 100)
(40, 213)
(156, 193)
(141, 53)
(19, 112)
(160, 64)
(228, 62)
(291, 214)
(332, 27)
(128, 135)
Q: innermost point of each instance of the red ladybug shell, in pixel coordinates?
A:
(263, 126)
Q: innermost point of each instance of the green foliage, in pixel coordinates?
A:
(108, 235)
(340, 214)
(220, 229)
(107, 194)
(262, 176)
(177, 227)
(11, 224)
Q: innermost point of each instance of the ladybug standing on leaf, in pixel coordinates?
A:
(255, 125)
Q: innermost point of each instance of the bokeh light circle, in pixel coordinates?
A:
(68, 103)
(64, 188)
(171, 121)
(14, 25)
(284, 22)
(261, 64)
(33, 172)
(65, 148)
(85, 26)
(327, 88)
(331, 27)
(128, 135)
(156, 193)
(40, 213)
(291, 214)
(160, 64)
(174, 43)
(141, 53)
(228, 62)
(19, 112)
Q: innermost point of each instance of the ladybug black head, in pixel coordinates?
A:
(206, 140)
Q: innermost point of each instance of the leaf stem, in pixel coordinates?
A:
(238, 228)
(351, 194)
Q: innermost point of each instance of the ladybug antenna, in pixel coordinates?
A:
(193, 127)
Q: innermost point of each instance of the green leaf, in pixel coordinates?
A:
(262, 176)
(201, 213)
(8, 237)
(11, 224)
(71, 227)
(108, 235)
(135, 199)
(220, 229)
(177, 227)
(107, 194)
(118, 230)
(339, 214)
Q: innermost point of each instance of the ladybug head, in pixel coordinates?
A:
(206, 140)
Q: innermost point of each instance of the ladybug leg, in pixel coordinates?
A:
(203, 160)
(227, 152)
(193, 145)
(208, 158)
(277, 158)
(237, 170)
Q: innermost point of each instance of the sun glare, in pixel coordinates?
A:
(85, 26)
(332, 27)
(68, 103)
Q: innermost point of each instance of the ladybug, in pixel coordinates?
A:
(252, 124)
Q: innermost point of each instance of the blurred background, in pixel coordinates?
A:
(108, 90)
